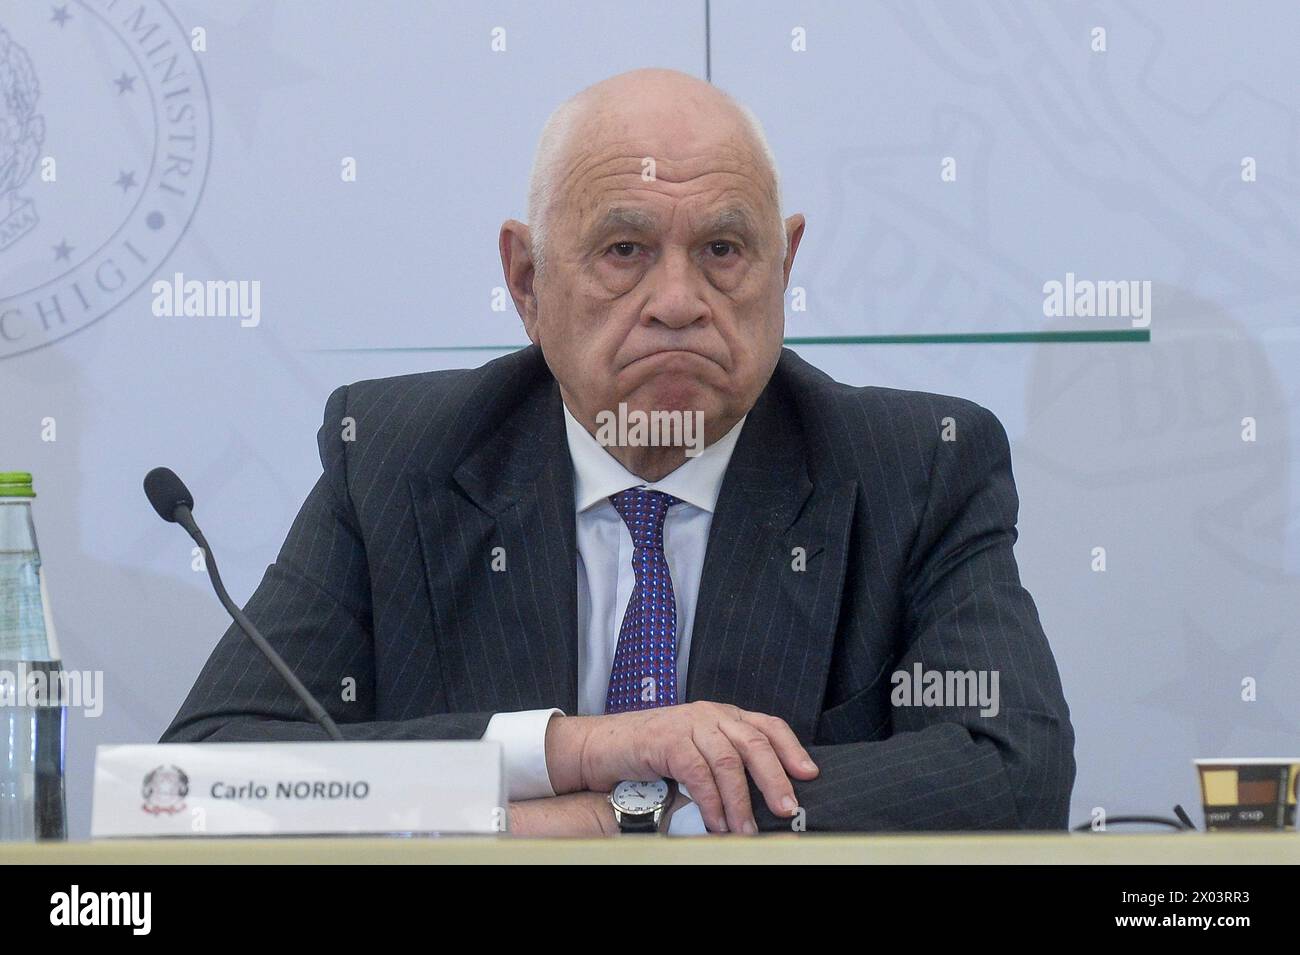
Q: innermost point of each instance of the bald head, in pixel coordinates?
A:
(672, 108)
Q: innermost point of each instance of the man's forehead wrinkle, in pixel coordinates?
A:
(677, 168)
(610, 187)
(629, 156)
(622, 189)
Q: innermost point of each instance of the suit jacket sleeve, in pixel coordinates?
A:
(950, 767)
(314, 607)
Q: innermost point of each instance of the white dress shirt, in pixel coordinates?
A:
(605, 584)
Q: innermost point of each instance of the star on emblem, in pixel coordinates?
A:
(126, 180)
(63, 251)
(61, 15)
(125, 84)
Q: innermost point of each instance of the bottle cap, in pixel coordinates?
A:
(16, 484)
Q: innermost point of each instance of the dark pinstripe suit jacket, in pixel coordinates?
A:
(386, 578)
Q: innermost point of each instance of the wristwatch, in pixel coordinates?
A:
(640, 805)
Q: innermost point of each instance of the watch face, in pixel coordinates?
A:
(639, 798)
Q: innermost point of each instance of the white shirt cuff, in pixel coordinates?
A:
(687, 821)
(522, 736)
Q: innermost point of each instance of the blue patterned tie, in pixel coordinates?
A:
(644, 674)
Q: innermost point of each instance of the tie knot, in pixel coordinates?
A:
(643, 512)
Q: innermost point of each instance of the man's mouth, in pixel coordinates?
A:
(665, 352)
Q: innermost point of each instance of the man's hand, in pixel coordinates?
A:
(573, 814)
(708, 747)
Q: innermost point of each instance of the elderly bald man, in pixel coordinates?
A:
(687, 580)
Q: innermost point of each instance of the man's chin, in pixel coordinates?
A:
(672, 394)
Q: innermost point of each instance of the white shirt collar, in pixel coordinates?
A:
(597, 474)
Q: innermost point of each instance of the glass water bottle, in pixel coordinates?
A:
(33, 715)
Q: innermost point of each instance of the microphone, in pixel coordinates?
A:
(174, 504)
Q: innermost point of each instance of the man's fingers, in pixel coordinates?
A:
(713, 749)
(762, 763)
(688, 766)
(728, 768)
(796, 760)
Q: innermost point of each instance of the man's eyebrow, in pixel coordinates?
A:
(731, 218)
(735, 218)
(623, 217)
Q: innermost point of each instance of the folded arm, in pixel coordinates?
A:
(973, 766)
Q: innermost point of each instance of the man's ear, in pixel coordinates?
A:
(794, 232)
(516, 245)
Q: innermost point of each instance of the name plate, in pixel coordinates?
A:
(262, 789)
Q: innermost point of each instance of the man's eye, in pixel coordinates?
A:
(721, 248)
(623, 250)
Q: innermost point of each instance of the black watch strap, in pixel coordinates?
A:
(638, 825)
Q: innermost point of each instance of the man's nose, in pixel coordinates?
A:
(677, 299)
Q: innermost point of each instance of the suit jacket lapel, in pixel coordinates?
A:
(768, 608)
(765, 624)
(501, 561)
